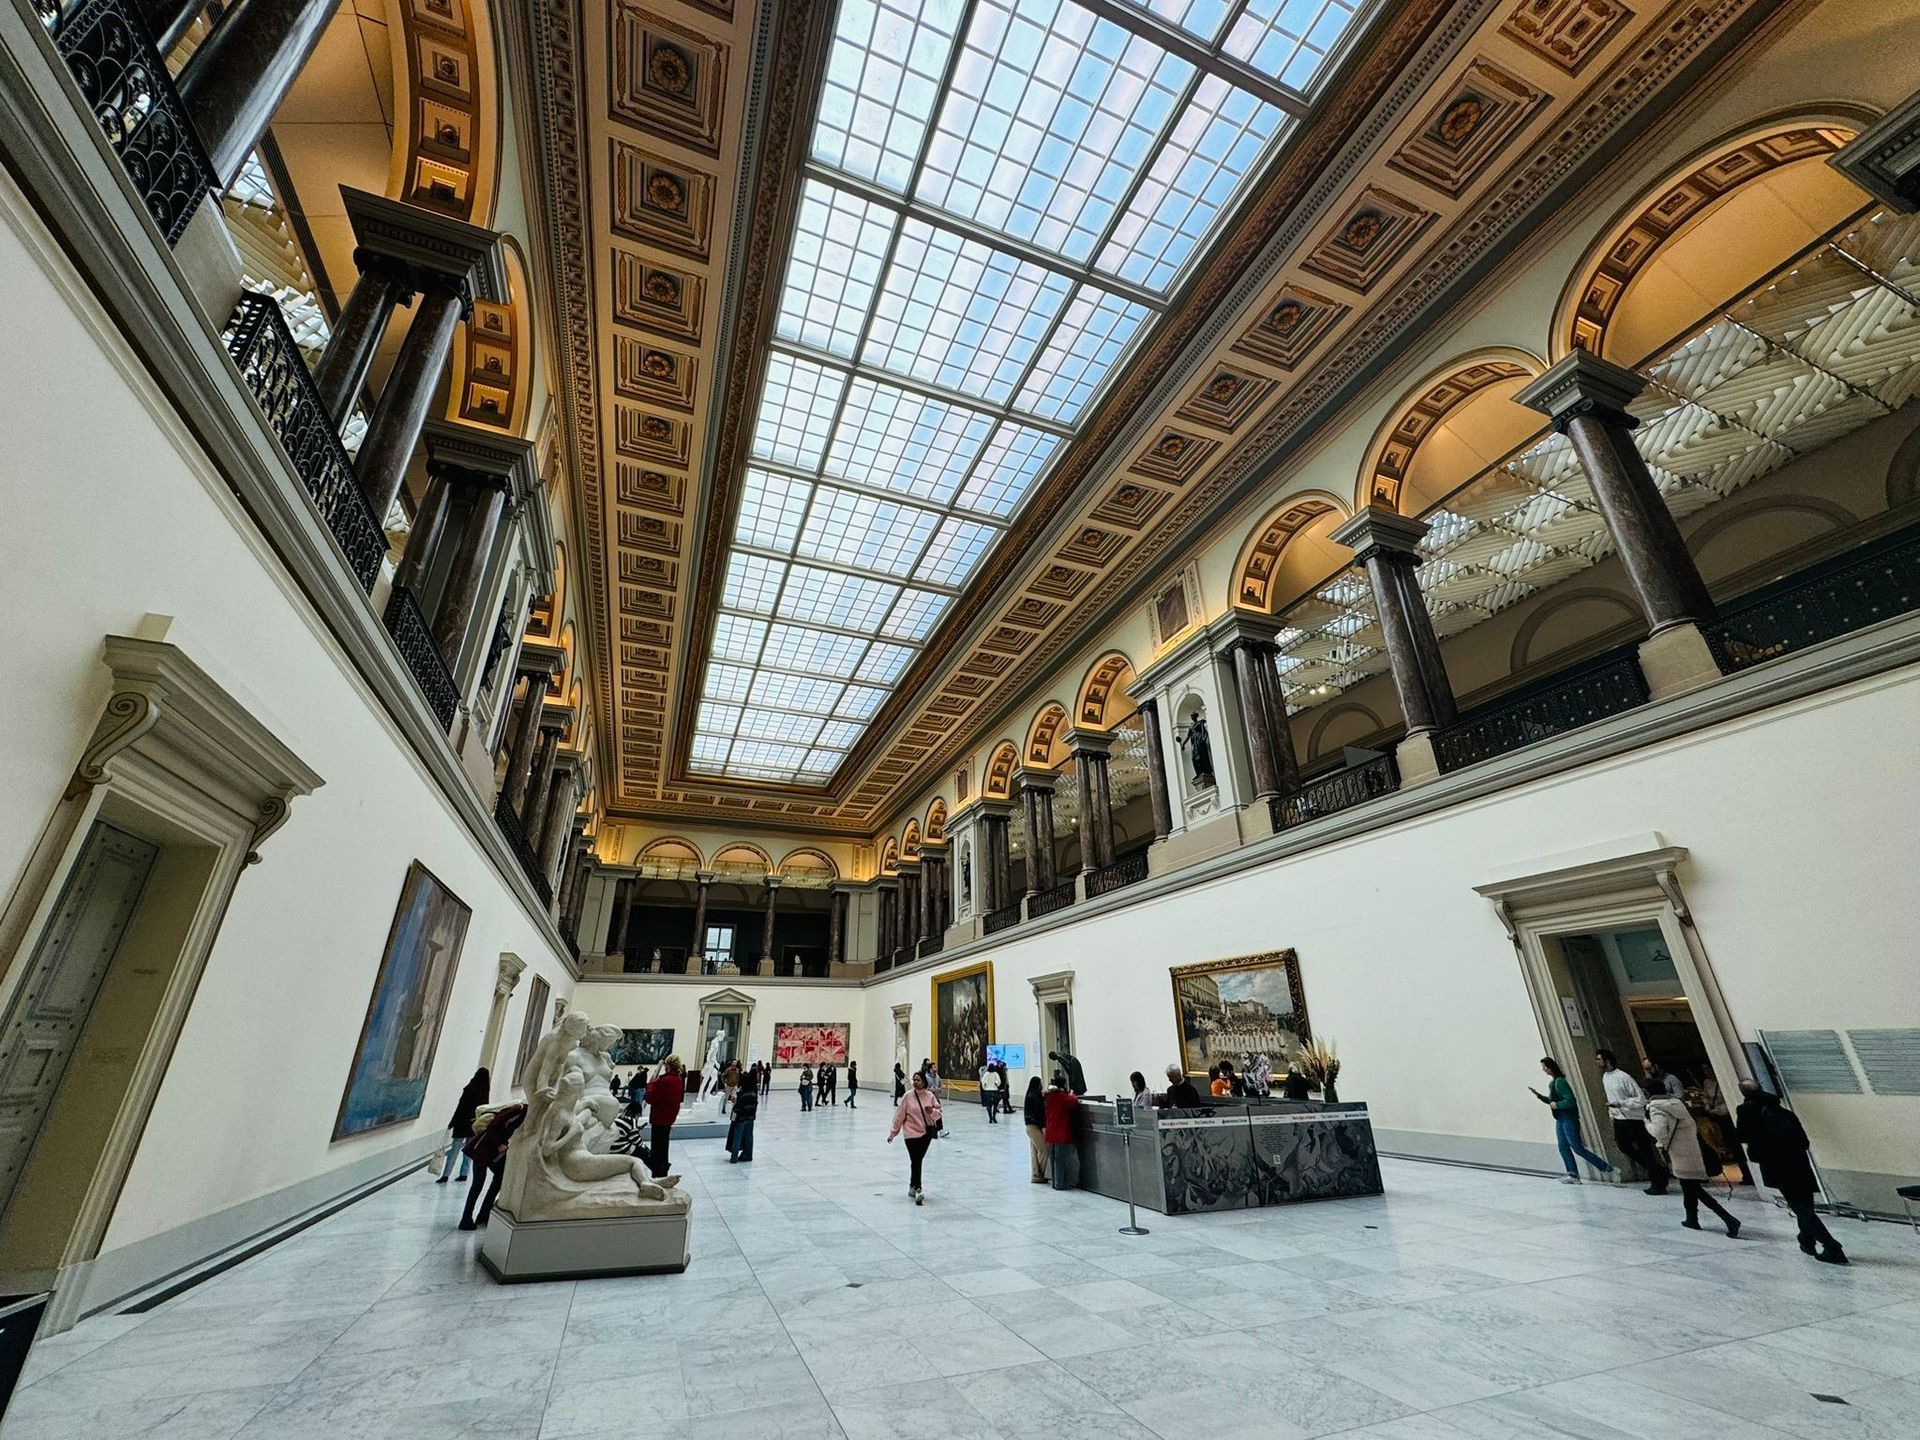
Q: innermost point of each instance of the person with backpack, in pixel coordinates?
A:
(746, 1106)
(1676, 1139)
(806, 1088)
(917, 1116)
(1777, 1143)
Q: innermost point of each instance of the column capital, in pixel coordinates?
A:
(772, 882)
(703, 877)
(1583, 384)
(431, 245)
(511, 966)
(1027, 777)
(1375, 531)
(1242, 627)
(1088, 742)
(482, 457)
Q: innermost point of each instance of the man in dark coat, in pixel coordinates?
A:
(1776, 1142)
(1076, 1077)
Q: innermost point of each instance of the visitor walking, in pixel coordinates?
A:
(488, 1151)
(829, 1079)
(1063, 1159)
(899, 1081)
(1677, 1141)
(853, 1082)
(1627, 1108)
(1006, 1087)
(1777, 1143)
(1034, 1112)
(1566, 1120)
(918, 1117)
(766, 1078)
(746, 1106)
(664, 1095)
(990, 1092)
(1181, 1092)
(460, 1127)
(806, 1088)
(932, 1073)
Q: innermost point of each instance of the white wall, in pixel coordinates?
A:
(113, 513)
(1800, 826)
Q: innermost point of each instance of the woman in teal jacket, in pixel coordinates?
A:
(1566, 1121)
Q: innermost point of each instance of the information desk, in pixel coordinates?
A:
(1230, 1154)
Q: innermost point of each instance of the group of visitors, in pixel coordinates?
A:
(1653, 1127)
(819, 1087)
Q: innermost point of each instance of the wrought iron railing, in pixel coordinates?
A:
(1341, 790)
(903, 955)
(274, 373)
(109, 52)
(414, 639)
(516, 834)
(932, 945)
(1121, 873)
(1045, 902)
(1005, 918)
(1608, 685)
(1850, 592)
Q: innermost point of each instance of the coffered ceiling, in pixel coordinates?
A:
(904, 340)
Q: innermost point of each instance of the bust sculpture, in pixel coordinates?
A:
(563, 1166)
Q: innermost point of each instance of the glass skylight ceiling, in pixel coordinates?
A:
(1825, 346)
(1000, 199)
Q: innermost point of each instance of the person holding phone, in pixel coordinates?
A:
(1566, 1121)
(918, 1117)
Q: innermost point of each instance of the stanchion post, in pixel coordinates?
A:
(1123, 1117)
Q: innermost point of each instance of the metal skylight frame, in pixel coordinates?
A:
(929, 367)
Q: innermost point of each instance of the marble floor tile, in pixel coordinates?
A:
(820, 1304)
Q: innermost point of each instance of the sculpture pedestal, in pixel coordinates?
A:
(515, 1252)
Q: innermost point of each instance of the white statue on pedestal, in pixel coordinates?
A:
(703, 1108)
(561, 1166)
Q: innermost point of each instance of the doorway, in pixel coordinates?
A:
(1057, 1027)
(1620, 988)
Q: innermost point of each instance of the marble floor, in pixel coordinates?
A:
(820, 1303)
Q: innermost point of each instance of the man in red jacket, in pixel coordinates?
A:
(664, 1095)
(1063, 1155)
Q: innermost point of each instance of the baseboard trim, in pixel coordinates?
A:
(1479, 1152)
(136, 1277)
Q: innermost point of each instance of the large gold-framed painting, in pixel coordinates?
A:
(1240, 1008)
(962, 1024)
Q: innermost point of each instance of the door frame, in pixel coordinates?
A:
(178, 761)
(1628, 886)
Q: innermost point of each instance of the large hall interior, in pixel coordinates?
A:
(960, 718)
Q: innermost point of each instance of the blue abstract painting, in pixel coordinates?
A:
(388, 1083)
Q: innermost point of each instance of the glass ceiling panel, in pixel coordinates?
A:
(839, 248)
(1000, 198)
(893, 440)
(959, 314)
(1292, 40)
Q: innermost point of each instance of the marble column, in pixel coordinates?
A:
(423, 540)
(487, 468)
(999, 859)
(1036, 814)
(703, 879)
(243, 70)
(401, 414)
(622, 904)
(558, 818)
(535, 815)
(1158, 795)
(1091, 749)
(767, 958)
(384, 285)
(1586, 398)
(1286, 765)
(1385, 544)
(1256, 722)
(520, 759)
(836, 927)
(929, 895)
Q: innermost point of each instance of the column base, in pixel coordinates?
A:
(1256, 819)
(1676, 660)
(210, 264)
(1200, 842)
(1418, 764)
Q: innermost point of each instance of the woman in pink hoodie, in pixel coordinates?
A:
(918, 1115)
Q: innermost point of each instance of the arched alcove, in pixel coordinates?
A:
(1104, 701)
(1453, 423)
(1288, 551)
(1045, 750)
(1000, 767)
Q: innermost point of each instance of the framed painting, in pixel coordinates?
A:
(800, 1043)
(533, 1026)
(388, 1082)
(642, 1047)
(1237, 1009)
(962, 1024)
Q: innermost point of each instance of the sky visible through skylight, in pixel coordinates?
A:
(1000, 199)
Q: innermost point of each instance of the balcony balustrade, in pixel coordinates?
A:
(1858, 589)
(414, 638)
(111, 56)
(1005, 918)
(1124, 871)
(932, 945)
(1048, 901)
(1339, 791)
(277, 377)
(1593, 691)
(516, 835)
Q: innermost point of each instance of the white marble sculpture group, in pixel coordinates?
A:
(560, 1165)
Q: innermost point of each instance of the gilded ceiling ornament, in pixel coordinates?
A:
(664, 192)
(1286, 315)
(670, 69)
(657, 364)
(662, 288)
(1461, 119)
(1224, 387)
(1363, 229)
